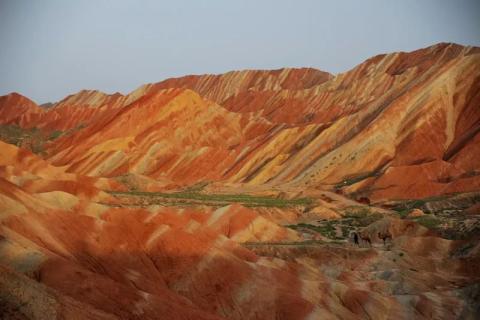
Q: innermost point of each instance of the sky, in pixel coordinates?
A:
(52, 48)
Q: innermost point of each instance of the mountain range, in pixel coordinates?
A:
(234, 196)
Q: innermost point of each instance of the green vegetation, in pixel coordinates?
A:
(353, 180)
(198, 187)
(285, 243)
(127, 181)
(354, 218)
(189, 197)
(33, 139)
(78, 127)
(463, 250)
(357, 212)
(361, 216)
(456, 201)
(410, 205)
(27, 138)
(429, 221)
(443, 213)
(403, 213)
(14, 134)
(55, 134)
(326, 229)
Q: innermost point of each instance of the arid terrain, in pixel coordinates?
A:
(237, 195)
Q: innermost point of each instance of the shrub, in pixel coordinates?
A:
(55, 134)
(429, 221)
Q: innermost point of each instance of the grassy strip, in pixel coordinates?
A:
(244, 199)
(287, 243)
(429, 221)
(327, 229)
(353, 180)
(403, 207)
(409, 205)
(361, 216)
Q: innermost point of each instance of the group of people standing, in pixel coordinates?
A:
(359, 237)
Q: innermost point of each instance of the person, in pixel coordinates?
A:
(385, 236)
(355, 238)
(366, 238)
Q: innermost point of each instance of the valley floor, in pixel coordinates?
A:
(201, 255)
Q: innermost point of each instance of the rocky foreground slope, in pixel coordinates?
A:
(235, 196)
(69, 250)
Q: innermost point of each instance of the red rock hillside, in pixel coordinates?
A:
(370, 131)
(285, 194)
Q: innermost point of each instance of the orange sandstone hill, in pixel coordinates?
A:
(235, 196)
(393, 120)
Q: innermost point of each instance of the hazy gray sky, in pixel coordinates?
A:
(53, 48)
